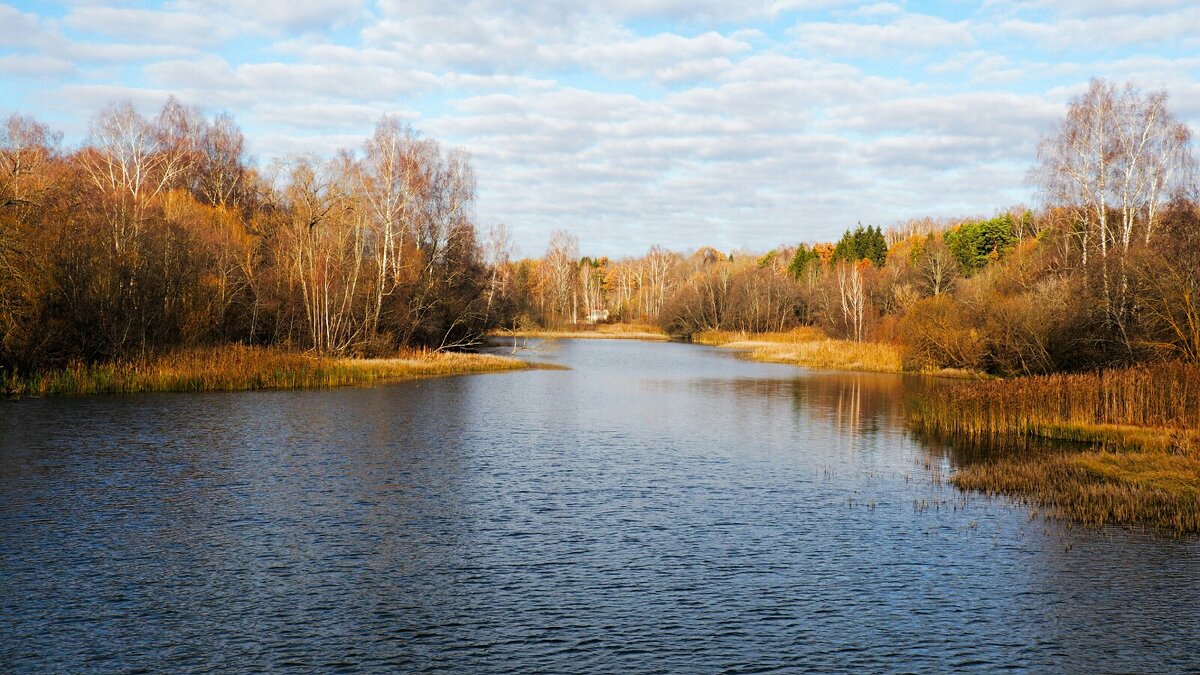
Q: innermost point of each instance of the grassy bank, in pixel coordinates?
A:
(237, 367)
(1141, 428)
(608, 331)
(807, 346)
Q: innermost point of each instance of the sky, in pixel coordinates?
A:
(630, 123)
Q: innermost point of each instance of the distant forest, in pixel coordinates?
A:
(1105, 272)
(158, 235)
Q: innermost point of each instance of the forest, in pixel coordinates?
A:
(159, 234)
(1104, 272)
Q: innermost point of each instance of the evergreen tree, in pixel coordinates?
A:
(862, 243)
(976, 244)
(800, 262)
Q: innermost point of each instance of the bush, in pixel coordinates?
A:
(937, 334)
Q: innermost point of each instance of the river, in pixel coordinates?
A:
(655, 508)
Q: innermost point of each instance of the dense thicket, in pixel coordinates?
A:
(158, 234)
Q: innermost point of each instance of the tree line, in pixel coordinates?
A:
(158, 233)
(1105, 272)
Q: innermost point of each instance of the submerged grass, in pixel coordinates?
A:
(1141, 427)
(237, 367)
(808, 346)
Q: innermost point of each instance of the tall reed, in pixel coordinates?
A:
(1140, 462)
(237, 367)
(1084, 407)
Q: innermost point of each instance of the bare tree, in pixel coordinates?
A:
(221, 172)
(1074, 164)
(25, 147)
(1112, 162)
(658, 267)
(497, 250)
(853, 294)
(131, 160)
(323, 251)
(396, 182)
(936, 266)
(560, 274)
(1117, 154)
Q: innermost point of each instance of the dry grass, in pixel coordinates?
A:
(1107, 405)
(810, 347)
(238, 367)
(720, 338)
(831, 354)
(608, 331)
(1142, 425)
(1157, 489)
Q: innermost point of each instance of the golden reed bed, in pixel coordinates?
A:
(240, 367)
(1140, 427)
(809, 347)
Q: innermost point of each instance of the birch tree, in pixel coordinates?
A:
(1114, 160)
(131, 160)
(560, 274)
(853, 295)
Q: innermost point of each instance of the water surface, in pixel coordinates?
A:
(657, 508)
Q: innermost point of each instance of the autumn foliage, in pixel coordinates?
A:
(158, 235)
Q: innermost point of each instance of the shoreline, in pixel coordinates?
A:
(1137, 464)
(825, 354)
(243, 368)
(615, 331)
(809, 347)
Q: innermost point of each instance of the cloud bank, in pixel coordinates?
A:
(635, 122)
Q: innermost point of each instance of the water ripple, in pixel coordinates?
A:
(658, 508)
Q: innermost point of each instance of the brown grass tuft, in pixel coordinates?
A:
(1148, 488)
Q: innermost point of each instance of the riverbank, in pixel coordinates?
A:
(603, 331)
(237, 367)
(1139, 427)
(809, 347)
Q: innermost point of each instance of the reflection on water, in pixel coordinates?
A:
(962, 451)
(656, 507)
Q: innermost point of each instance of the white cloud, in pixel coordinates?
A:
(19, 29)
(908, 32)
(282, 15)
(1103, 31)
(138, 25)
(1108, 7)
(631, 122)
(665, 57)
(37, 66)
